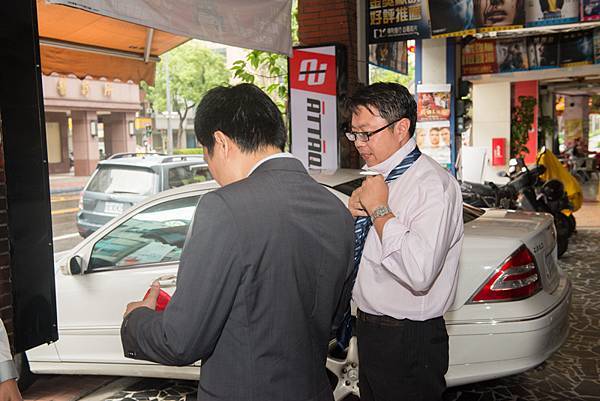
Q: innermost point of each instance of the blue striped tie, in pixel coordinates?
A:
(362, 225)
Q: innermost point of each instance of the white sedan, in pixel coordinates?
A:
(509, 315)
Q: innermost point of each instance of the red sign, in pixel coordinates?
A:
(313, 72)
(498, 151)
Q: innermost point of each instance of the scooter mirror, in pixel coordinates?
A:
(543, 149)
(511, 169)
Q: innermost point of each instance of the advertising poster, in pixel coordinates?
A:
(433, 138)
(590, 10)
(576, 48)
(512, 55)
(392, 56)
(313, 106)
(452, 18)
(495, 15)
(542, 52)
(433, 102)
(596, 46)
(397, 20)
(479, 57)
(551, 12)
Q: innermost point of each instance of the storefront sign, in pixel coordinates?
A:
(551, 12)
(479, 58)
(397, 20)
(498, 151)
(313, 106)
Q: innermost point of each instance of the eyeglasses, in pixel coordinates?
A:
(365, 135)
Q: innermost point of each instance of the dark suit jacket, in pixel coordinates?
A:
(264, 278)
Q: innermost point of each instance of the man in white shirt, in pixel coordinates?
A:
(8, 374)
(408, 266)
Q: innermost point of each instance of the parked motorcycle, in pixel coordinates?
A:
(521, 193)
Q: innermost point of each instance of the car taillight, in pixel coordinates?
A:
(518, 278)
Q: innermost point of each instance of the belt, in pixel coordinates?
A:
(385, 320)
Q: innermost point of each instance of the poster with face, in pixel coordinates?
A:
(493, 15)
(590, 10)
(452, 17)
(542, 51)
(392, 56)
(511, 55)
(551, 12)
(433, 102)
(433, 138)
(576, 48)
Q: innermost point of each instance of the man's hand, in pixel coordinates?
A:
(9, 391)
(374, 192)
(148, 302)
(354, 205)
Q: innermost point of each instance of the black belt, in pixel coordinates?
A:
(388, 320)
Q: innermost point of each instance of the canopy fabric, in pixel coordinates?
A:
(58, 24)
(257, 24)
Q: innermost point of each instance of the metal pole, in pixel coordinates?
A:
(169, 110)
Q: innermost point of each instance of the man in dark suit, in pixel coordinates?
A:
(265, 273)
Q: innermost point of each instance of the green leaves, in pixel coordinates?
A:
(521, 123)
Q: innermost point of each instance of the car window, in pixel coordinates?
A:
(116, 179)
(470, 213)
(184, 175)
(153, 235)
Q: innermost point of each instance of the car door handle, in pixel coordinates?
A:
(167, 281)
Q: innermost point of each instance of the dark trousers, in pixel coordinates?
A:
(401, 359)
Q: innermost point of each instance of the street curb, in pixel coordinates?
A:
(65, 190)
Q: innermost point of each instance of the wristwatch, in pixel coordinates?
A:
(380, 211)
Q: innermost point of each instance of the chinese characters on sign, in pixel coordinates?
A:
(479, 58)
(396, 20)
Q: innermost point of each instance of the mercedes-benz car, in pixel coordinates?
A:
(509, 315)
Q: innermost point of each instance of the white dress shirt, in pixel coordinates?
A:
(275, 156)
(411, 273)
(7, 366)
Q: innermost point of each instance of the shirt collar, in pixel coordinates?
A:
(275, 156)
(386, 166)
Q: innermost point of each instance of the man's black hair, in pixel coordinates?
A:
(244, 113)
(392, 101)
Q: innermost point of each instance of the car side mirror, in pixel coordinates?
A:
(75, 265)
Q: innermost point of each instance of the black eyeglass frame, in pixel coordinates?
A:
(365, 135)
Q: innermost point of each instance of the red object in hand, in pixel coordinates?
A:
(162, 301)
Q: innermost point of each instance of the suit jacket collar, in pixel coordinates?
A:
(280, 163)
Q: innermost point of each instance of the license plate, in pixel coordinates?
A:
(113, 207)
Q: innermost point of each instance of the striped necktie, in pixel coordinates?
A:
(362, 225)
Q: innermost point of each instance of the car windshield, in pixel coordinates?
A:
(116, 179)
(470, 213)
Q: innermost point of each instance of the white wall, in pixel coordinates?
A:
(491, 119)
(434, 61)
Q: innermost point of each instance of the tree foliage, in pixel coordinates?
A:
(520, 125)
(193, 70)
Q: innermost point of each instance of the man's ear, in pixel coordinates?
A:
(221, 142)
(402, 128)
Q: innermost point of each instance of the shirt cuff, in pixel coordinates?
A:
(391, 237)
(8, 370)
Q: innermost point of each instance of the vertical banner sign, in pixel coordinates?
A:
(498, 151)
(313, 106)
(397, 20)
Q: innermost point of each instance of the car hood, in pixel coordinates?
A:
(490, 239)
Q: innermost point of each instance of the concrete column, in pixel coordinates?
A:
(116, 133)
(491, 119)
(576, 120)
(57, 146)
(85, 146)
(547, 109)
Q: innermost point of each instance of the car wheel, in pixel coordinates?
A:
(26, 378)
(344, 373)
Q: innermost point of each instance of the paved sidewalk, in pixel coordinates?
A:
(66, 183)
(65, 388)
(588, 216)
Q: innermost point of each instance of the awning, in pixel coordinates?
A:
(257, 24)
(78, 42)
